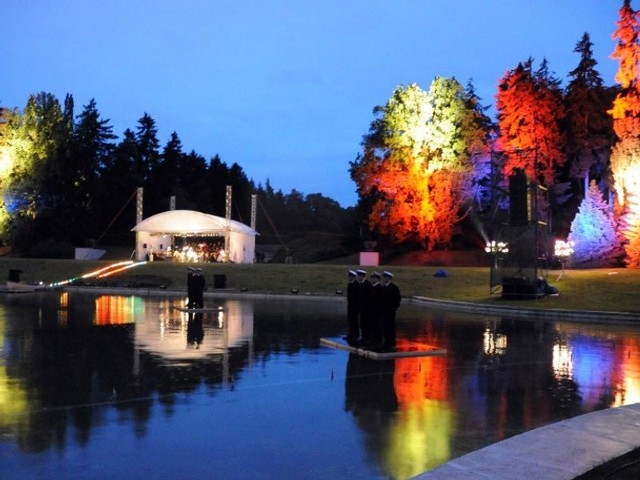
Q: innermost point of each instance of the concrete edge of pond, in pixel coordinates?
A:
(562, 450)
(584, 315)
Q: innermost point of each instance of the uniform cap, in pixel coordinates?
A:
(361, 272)
(387, 274)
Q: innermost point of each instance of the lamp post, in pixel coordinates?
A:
(495, 249)
(563, 250)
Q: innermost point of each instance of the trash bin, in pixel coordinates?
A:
(220, 281)
(14, 275)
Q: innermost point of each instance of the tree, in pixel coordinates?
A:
(530, 110)
(415, 168)
(40, 138)
(90, 150)
(594, 231)
(625, 157)
(164, 177)
(588, 127)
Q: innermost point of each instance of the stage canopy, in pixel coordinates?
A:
(156, 233)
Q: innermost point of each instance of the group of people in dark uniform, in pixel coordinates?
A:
(195, 288)
(371, 310)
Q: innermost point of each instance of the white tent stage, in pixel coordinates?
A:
(157, 233)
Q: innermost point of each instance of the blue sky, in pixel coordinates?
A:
(284, 88)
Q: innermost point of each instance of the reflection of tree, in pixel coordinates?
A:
(73, 372)
(417, 436)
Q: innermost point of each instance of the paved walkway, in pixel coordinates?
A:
(563, 450)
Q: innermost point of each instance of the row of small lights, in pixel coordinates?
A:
(102, 272)
(562, 248)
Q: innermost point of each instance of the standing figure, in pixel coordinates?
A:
(190, 287)
(374, 315)
(364, 295)
(390, 302)
(198, 289)
(352, 308)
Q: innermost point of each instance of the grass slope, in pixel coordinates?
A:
(596, 289)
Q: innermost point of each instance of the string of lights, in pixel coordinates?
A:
(102, 272)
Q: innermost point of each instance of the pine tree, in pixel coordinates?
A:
(594, 231)
(588, 127)
(625, 157)
(530, 110)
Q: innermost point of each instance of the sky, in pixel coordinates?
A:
(284, 88)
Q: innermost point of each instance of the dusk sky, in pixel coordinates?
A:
(284, 88)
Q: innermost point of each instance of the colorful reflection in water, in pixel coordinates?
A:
(84, 374)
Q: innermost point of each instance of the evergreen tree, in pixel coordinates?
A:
(119, 183)
(625, 157)
(588, 128)
(530, 110)
(195, 185)
(164, 178)
(147, 152)
(594, 232)
(90, 151)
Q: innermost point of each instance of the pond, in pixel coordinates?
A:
(113, 386)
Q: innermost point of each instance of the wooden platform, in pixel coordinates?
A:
(198, 310)
(17, 287)
(413, 350)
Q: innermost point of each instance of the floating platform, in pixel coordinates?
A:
(198, 310)
(17, 287)
(408, 350)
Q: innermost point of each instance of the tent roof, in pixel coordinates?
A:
(190, 223)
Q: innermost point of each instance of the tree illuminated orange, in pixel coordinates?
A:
(415, 170)
(625, 156)
(530, 109)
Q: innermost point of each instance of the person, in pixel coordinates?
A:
(390, 302)
(198, 289)
(352, 308)
(374, 314)
(364, 295)
(190, 287)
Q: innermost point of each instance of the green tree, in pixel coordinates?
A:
(40, 140)
(588, 127)
(164, 178)
(416, 164)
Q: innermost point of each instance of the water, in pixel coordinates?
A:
(119, 387)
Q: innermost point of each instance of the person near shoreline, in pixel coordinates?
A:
(364, 295)
(374, 315)
(352, 308)
(199, 285)
(190, 287)
(390, 302)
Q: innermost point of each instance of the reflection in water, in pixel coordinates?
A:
(88, 374)
(417, 436)
(195, 332)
